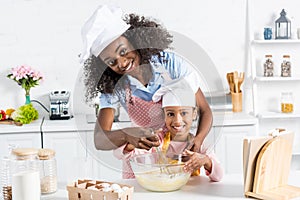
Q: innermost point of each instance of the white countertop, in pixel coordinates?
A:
(231, 187)
(79, 123)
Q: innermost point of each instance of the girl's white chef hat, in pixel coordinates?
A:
(177, 92)
(102, 28)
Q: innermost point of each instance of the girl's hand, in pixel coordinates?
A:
(143, 138)
(196, 161)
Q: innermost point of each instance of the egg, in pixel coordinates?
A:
(115, 186)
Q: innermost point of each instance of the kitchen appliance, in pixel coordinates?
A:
(59, 105)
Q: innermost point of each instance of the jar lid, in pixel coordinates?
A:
(286, 56)
(45, 154)
(268, 55)
(24, 151)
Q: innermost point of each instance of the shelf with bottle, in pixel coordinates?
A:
(277, 78)
(273, 41)
(277, 115)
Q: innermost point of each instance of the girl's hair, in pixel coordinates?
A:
(147, 36)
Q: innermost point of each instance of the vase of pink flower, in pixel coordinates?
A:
(26, 77)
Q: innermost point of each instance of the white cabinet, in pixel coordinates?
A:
(230, 145)
(229, 131)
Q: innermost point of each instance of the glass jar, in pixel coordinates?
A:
(287, 102)
(286, 66)
(268, 66)
(5, 175)
(268, 33)
(48, 171)
(5, 178)
(25, 174)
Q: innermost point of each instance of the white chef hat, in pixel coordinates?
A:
(177, 92)
(102, 28)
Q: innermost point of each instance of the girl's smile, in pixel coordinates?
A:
(179, 120)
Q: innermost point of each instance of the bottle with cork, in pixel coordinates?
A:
(268, 66)
(48, 171)
(286, 66)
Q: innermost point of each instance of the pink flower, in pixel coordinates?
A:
(26, 77)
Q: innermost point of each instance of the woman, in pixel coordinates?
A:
(126, 61)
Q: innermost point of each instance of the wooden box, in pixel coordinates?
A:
(90, 189)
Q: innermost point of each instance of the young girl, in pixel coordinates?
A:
(178, 103)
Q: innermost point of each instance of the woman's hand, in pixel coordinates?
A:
(143, 138)
(196, 161)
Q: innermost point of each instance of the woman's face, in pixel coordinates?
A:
(120, 56)
(179, 120)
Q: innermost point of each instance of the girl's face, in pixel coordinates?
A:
(179, 120)
(121, 57)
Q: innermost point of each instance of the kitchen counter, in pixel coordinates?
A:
(80, 123)
(231, 187)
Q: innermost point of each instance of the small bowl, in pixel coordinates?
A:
(154, 175)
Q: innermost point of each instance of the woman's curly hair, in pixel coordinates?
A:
(147, 36)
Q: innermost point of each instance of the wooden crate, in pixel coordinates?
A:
(90, 189)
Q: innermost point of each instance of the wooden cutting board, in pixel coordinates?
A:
(273, 163)
(10, 122)
(272, 170)
(251, 149)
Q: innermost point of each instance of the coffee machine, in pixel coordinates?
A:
(59, 105)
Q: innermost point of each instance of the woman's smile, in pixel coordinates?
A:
(120, 56)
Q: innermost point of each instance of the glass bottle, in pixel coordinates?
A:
(268, 66)
(48, 171)
(287, 102)
(286, 66)
(25, 174)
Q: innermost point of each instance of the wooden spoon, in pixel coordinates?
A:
(236, 81)
(241, 80)
(230, 81)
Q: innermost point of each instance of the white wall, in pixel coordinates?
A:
(45, 34)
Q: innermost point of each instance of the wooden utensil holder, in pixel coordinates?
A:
(237, 102)
(266, 171)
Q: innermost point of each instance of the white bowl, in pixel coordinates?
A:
(154, 175)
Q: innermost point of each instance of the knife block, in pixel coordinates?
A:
(267, 176)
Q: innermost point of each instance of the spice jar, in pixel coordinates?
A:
(286, 66)
(287, 104)
(48, 171)
(268, 66)
(25, 174)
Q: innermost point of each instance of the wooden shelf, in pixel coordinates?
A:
(278, 115)
(277, 78)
